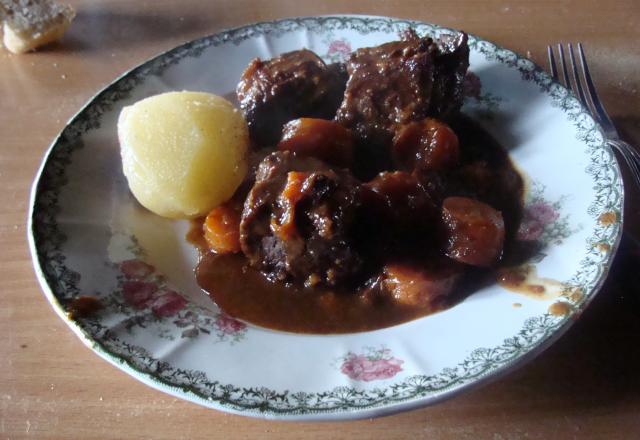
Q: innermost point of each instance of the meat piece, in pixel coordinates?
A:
(397, 211)
(388, 85)
(403, 81)
(400, 198)
(296, 222)
(340, 71)
(280, 163)
(421, 285)
(270, 179)
(451, 67)
(295, 84)
(426, 145)
(475, 231)
(319, 138)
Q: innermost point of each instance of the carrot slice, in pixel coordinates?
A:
(222, 229)
(291, 195)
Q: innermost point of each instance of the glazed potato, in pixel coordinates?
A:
(183, 153)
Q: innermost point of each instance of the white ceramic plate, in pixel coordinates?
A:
(88, 236)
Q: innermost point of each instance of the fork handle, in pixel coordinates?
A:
(617, 143)
(632, 159)
(630, 155)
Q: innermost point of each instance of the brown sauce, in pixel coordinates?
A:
(195, 235)
(525, 281)
(608, 218)
(245, 293)
(560, 308)
(575, 295)
(83, 306)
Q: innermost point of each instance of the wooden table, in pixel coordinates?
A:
(586, 386)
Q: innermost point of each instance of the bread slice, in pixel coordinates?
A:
(29, 24)
(3, 14)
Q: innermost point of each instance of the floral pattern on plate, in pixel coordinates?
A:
(543, 220)
(338, 50)
(145, 298)
(372, 364)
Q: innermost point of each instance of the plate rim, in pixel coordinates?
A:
(374, 410)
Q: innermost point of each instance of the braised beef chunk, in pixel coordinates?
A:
(403, 81)
(398, 211)
(275, 164)
(297, 220)
(340, 71)
(451, 66)
(270, 179)
(290, 86)
(388, 85)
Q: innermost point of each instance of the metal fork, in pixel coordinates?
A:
(583, 87)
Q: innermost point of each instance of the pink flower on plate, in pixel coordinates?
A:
(542, 212)
(368, 368)
(472, 85)
(138, 293)
(168, 304)
(537, 215)
(339, 47)
(136, 269)
(530, 230)
(228, 325)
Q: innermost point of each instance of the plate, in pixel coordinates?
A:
(89, 238)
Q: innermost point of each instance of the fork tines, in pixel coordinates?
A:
(583, 87)
(580, 82)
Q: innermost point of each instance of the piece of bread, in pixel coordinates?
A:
(29, 24)
(3, 14)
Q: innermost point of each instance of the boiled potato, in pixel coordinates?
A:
(183, 153)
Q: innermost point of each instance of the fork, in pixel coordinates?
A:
(583, 87)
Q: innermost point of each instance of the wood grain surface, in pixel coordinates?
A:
(586, 386)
